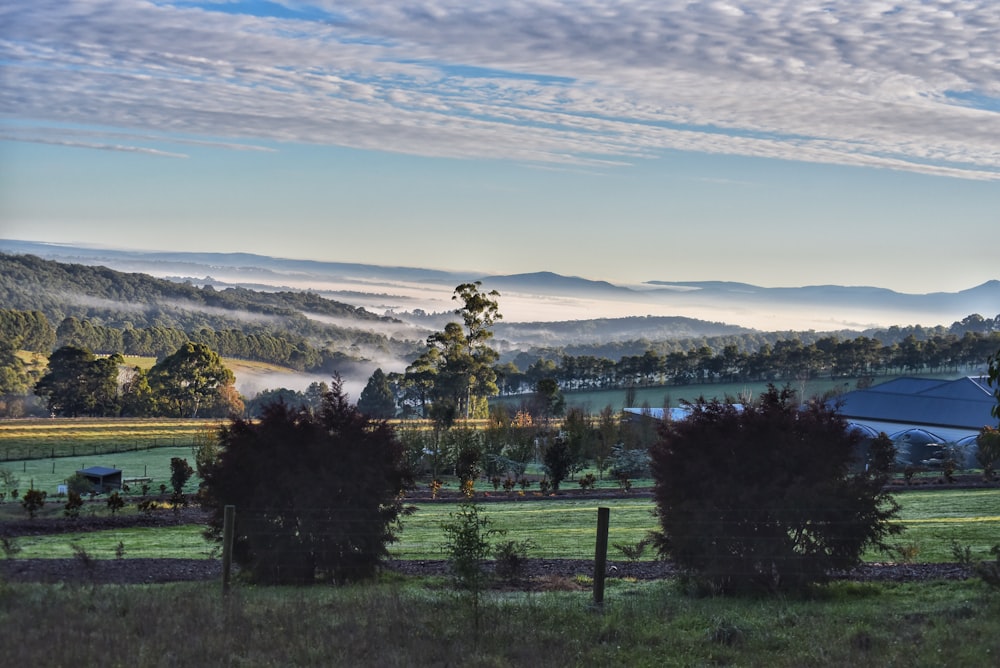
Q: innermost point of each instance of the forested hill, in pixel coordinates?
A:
(113, 298)
(108, 311)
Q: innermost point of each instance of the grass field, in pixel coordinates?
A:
(76, 437)
(412, 623)
(48, 474)
(567, 529)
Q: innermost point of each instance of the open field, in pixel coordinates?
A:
(420, 622)
(75, 437)
(561, 529)
(48, 474)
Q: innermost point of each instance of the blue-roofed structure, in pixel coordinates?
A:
(103, 478)
(949, 409)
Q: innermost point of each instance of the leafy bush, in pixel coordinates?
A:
(80, 484)
(33, 501)
(317, 494)
(762, 498)
(557, 460)
(73, 504)
(633, 551)
(115, 502)
(467, 545)
(180, 473)
(510, 557)
(630, 464)
(989, 571)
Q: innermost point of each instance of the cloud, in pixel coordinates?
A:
(905, 85)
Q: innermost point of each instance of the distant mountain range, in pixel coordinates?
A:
(531, 300)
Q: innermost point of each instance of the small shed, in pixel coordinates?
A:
(103, 478)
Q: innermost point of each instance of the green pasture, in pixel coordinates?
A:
(567, 529)
(78, 437)
(48, 474)
(560, 529)
(183, 541)
(418, 623)
(933, 519)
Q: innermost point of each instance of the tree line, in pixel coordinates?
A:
(788, 359)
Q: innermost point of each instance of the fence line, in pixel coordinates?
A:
(81, 450)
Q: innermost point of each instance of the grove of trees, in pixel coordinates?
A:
(192, 382)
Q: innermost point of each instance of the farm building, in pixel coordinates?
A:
(949, 410)
(921, 415)
(928, 419)
(103, 477)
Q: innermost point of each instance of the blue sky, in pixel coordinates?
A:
(798, 142)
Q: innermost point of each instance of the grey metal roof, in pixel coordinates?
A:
(964, 403)
(99, 471)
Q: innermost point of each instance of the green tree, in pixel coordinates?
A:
(317, 495)
(549, 399)
(180, 473)
(762, 498)
(14, 381)
(77, 383)
(137, 398)
(993, 378)
(557, 461)
(193, 381)
(468, 543)
(458, 368)
(32, 501)
(580, 437)
(377, 399)
(988, 450)
(607, 438)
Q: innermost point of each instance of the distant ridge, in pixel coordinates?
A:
(547, 296)
(548, 282)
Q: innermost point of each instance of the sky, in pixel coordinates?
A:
(779, 143)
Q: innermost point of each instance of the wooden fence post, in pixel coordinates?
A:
(229, 519)
(601, 554)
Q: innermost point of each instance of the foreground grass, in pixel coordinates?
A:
(421, 623)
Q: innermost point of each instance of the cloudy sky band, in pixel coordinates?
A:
(856, 83)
